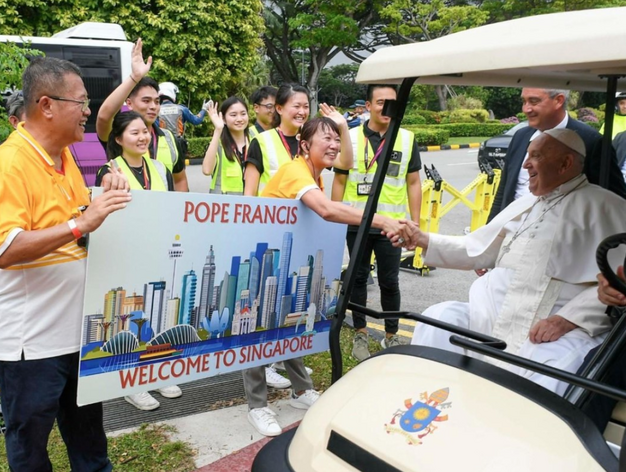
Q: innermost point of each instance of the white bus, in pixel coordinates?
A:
(103, 53)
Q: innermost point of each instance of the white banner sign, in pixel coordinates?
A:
(182, 286)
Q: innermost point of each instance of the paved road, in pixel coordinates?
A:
(459, 168)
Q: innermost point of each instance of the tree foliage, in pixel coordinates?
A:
(322, 28)
(206, 48)
(338, 86)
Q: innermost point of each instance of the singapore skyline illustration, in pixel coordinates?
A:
(264, 295)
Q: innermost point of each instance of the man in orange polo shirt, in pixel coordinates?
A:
(45, 211)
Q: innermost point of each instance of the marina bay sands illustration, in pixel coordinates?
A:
(263, 290)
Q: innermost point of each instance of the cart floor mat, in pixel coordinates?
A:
(198, 397)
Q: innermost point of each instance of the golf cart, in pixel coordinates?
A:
(413, 408)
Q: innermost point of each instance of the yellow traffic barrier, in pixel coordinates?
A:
(485, 186)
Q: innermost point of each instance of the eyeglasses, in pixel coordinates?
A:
(267, 106)
(84, 103)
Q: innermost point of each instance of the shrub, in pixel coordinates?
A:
(463, 102)
(432, 117)
(197, 147)
(430, 136)
(474, 129)
(521, 116)
(510, 119)
(468, 116)
(413, 119)
(573, 114)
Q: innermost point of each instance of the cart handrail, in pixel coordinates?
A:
(543, 369)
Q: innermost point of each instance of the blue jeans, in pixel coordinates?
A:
(388, 270)
(33, 394)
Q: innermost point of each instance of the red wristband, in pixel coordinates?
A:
(75, 231)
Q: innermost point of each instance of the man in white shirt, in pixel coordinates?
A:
(540, 296)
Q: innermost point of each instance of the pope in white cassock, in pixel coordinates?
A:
(541, 296)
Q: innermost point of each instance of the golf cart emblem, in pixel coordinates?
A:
(416, 422)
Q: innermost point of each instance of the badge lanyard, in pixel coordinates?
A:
(368, 164)
(146, 182)
(282, 137)
(238, 154)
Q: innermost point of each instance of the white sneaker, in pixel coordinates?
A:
(304, 401)
(143, 401)
(274, 379)
(280, 366)
(173, 391)
(264, 422)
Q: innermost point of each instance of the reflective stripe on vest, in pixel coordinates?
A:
(253, 132)
(171, 118)
(156, 170)
(230, 172)
(274, 155)
(393, 196)
(167, 152)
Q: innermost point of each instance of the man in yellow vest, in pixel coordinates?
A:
(141, 94)
(402, 190)
(263, 100)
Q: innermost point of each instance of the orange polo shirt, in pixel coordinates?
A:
(41, 301)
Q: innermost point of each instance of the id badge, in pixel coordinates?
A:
(363, 189)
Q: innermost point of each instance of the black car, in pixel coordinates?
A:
(494, 149)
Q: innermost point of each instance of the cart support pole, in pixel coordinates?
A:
(395, 110)
(607, 139)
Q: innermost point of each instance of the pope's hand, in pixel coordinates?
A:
(607, 294)
(550, 329)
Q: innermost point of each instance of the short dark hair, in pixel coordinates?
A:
(144, 82)
(44, 76)
(262, 93)
(120, 123)
(15, 104)
(372, 87)
(311, 127)
(228, 143)
(284, 93)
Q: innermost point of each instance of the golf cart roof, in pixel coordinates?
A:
(567, 50)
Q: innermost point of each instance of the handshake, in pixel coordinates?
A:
(405, 233)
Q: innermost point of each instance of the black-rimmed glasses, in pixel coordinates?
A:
(84, 103)
(267, 106)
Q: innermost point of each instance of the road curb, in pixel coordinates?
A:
(448, 147)
(444, 147)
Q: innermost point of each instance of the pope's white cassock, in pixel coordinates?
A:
(542, 251)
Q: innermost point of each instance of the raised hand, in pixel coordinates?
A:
(139, 68)
(330, 112)
(216, 117)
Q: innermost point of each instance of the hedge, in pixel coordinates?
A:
(197, 147)
(429, 136)
(473, 129)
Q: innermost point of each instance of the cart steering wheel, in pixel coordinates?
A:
(603, 263)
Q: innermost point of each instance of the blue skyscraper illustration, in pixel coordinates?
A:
(188, 300)
(283, 275)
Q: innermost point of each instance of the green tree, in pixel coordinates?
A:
(410, 21)
(321, 28)
(338, 86)
(206, 48)
(13, 61)
(500, 10)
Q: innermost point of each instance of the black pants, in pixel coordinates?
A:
(33, 394)
(599, 408)
(388, 269)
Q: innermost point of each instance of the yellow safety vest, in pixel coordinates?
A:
(619, 125)
(167, 152)
(274, 155)
(253, 132)
(229, 172)
(393, 197)
(156, 169)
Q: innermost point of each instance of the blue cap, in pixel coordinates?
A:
(358, 103)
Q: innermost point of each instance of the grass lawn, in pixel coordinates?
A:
(149, 449)
(468, 140)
